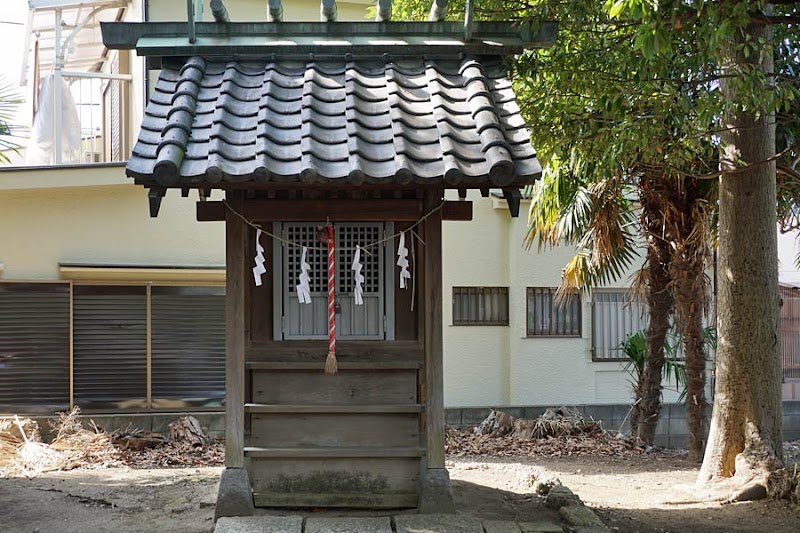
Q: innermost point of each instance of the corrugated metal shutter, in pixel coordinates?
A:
(34, 346)
(110, 346)
(188, 346)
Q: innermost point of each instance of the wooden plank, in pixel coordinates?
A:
(347, 365)
(345, 387)
(314, 350)
(260, 306)
(434, 370)
(210, 211)
(336, 431)
(457, 211)
(235, 241)
(335, 210)
(332, 408)
(336, 499)
(358, 477)
(406, 302)
(397, 210)
(149, 353)
(332, 453)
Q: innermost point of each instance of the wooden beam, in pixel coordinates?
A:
(396, 210)
(154, 197)
(235, 241)
(434, 364)
(457, 211)
(513, 198)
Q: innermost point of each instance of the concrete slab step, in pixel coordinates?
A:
(362, 524)
(260, 524)
(432, 523)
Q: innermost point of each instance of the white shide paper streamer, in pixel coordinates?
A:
(358, 278)
(402, 260)
(303, 288)
(259, 269)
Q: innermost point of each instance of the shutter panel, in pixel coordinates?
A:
(110, 347)
(188, 346)
(34, 346)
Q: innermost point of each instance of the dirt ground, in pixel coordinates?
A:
(642, 494)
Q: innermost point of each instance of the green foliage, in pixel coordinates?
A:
(10, 101)
(634, 347)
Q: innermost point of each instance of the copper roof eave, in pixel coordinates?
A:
(242, 40)
(256, 182)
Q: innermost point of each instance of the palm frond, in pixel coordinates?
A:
(10, 134)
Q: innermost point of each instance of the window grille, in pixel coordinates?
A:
(790, 332)
(615, 316)
(548, 318)
(310, 321)
(349, 237)
(473, 306)
(316, 257)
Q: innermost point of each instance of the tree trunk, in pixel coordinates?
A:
(659, 302)
(745, 439)
(690, 302)
(689, 218)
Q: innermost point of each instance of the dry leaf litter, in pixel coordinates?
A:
(22, 451)
(559, 432)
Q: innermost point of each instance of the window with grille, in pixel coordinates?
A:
(546, 317)
(615, 316)
(480, 306)
(790, 332)
(354, 322)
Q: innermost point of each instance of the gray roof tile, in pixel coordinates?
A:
(455, 123)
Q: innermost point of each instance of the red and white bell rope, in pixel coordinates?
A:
(330, 361)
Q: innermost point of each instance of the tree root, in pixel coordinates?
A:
(751, 491)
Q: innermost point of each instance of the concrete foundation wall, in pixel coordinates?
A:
(671, 431)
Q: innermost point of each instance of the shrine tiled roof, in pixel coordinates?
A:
(453, 123)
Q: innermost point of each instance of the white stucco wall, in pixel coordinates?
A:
(109, 224)
(497, 366)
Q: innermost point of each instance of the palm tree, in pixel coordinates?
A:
(599, 217)
(10, 101)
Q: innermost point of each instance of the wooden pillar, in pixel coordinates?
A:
(434, 364)
(235, 241)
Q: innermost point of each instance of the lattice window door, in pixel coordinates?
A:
(355, 322)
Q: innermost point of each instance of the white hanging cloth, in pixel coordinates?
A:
(303, 288)
(358, 278)
(402, 260)
(259, 269)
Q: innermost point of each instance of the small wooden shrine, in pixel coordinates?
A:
(334, 144)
